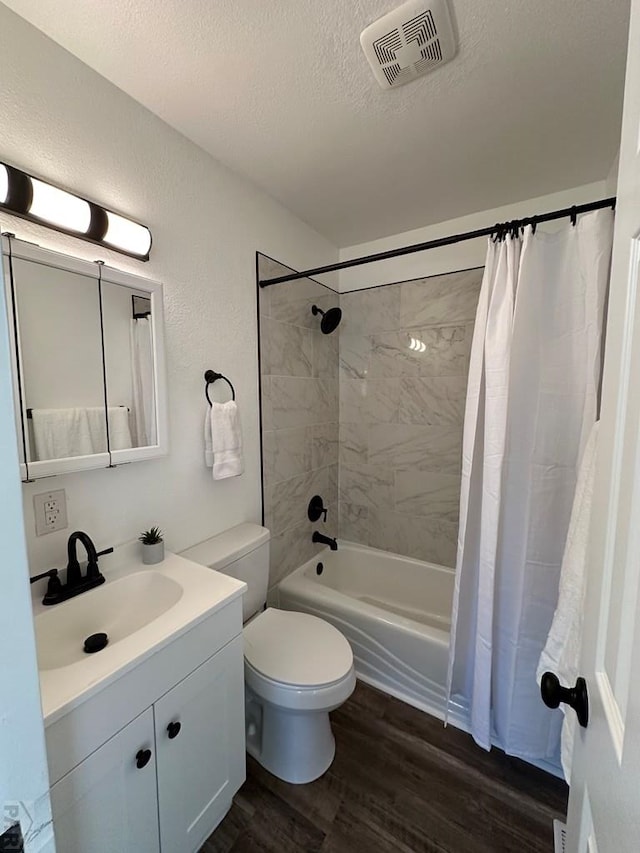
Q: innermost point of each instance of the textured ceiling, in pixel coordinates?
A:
(281, 92)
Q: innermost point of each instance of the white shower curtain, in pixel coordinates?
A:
(531, 401)
(143, 383)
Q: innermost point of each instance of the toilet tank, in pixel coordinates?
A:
(243, 553)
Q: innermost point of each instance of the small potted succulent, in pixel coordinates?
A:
(152, 546)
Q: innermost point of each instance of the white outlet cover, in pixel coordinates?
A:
(50, 510)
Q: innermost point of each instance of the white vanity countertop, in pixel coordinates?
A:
(202, 592)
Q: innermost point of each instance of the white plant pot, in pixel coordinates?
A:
(152, 554)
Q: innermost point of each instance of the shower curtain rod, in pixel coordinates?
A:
(445, 241)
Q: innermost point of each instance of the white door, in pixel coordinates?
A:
(109, 802)
(604, 804)
(201, 750)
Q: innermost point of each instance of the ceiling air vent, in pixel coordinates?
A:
(414, 39)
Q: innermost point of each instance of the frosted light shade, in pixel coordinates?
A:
(59, 207)
(45, 204)
(4, 184)
(127, 235)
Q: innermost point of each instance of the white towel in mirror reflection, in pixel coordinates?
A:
(119, 433)
(80, 431)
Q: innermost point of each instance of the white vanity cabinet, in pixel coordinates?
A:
(108, 803)
(200, 749)
(152, 762)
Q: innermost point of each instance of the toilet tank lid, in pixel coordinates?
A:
(228, 546)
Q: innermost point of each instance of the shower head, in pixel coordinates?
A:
(330, 319)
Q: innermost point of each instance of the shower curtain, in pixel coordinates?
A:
(531, 400)
(143, 414)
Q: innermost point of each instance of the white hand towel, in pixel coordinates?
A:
(561, 654)
(208, 440)
(226, 440)
(61, 433)
(119, 433)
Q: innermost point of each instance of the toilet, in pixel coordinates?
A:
(297, 667)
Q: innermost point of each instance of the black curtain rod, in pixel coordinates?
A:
(573, 212)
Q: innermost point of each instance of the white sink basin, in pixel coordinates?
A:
(117, 609)
(140, 608)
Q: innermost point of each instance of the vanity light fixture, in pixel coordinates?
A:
(4, 184)
(35, 200)
(59, 208)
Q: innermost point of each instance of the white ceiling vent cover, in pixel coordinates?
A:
(413, 40)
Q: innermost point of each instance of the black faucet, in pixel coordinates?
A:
(74, 575)
(324, 540)
(53, 587)
(76, 583)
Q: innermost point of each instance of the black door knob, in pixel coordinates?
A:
(576, 697)
(143, 757)
(173, 730)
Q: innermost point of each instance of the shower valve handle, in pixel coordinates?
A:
(316, 509)
(576, 697)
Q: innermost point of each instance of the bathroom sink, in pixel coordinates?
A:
(140, 608)
(118, 609)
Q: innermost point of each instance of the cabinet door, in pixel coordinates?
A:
(200, 749)
(108, 803)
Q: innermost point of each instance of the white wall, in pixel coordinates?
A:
(458, 256)
(23, 767)
(64, 122)
(611, 182)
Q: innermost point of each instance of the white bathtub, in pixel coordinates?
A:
(395, 612)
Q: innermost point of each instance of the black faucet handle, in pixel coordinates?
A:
(55, 584)
(316, 508)
(51, 573)
(106, 551)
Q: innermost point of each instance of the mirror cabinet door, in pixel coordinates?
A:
(130, 370)
(60, 362)
(89, 377)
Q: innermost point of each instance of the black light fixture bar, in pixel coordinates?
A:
(445, 241)
(36, 200)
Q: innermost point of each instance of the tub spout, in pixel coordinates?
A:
(324, 540)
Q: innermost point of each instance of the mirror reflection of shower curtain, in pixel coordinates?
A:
(531, 402)
(143, 412)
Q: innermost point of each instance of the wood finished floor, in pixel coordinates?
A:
(400, 782)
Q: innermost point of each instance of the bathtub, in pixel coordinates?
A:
(395, 612)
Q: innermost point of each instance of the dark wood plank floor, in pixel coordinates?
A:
(400, 783)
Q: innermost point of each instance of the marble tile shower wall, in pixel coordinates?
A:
(404, 359)
(299, 375)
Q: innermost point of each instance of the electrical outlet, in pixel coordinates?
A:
(50, 511)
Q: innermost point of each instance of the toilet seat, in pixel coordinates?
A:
(297, 661)
(323, 698)
(296, 649)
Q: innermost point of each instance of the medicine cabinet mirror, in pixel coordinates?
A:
(88, 362)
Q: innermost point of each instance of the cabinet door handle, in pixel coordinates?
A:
(173, 730)
(143, 757)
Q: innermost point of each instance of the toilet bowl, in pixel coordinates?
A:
(297, 667)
